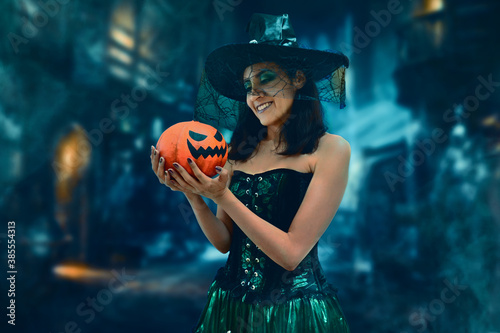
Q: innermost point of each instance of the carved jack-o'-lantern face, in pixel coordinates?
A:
(201, 142)
(206, 145)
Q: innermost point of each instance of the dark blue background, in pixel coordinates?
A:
(414, 246)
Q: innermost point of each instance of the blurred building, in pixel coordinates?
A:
(449, 76)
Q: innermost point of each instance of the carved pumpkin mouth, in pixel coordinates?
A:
(206, 152)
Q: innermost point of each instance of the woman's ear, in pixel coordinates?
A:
(299, 80)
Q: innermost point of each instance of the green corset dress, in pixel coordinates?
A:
(253, 294)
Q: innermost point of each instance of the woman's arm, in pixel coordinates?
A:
(218, 229)
(317, 210)
(214, 227)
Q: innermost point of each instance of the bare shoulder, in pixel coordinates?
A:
(332, 149)
(330, 143)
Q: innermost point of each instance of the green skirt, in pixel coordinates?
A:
(318, 313)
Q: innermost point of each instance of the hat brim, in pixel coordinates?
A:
(224, 66)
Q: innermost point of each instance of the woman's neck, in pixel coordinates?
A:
(272, 135)
(271, 144)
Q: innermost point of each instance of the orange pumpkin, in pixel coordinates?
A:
(201, 142)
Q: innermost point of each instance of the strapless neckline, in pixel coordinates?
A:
(272, 171)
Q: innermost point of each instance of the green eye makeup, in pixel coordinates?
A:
(264, 76)
(248, 86)
(267, 76)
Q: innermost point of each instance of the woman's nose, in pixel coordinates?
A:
(256, 93)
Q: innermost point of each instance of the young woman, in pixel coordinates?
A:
(279, 191)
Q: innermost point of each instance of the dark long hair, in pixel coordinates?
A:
(299, 134)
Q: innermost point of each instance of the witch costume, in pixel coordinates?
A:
(252, 293)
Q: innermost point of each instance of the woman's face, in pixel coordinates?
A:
(270, 92)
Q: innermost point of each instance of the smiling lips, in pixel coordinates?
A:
(261, 108)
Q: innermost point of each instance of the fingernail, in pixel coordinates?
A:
(190, 160)
(176, 165)
(165, 172)
(161, 159)
(218, 168)
(155, 151)
(171, 171)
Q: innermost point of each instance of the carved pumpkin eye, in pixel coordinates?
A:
(218, 136)
(197, 136)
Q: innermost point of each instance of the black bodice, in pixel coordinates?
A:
(249, 274)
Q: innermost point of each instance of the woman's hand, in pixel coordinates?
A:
(212, 188)
(181, 180)
(158, 166)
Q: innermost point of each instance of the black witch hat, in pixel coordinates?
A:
(222, 93)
